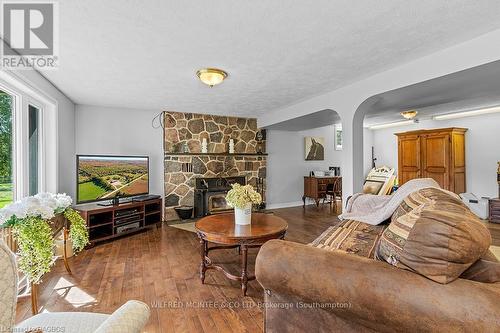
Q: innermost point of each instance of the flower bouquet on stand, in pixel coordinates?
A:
(31, 220)
(242, 198)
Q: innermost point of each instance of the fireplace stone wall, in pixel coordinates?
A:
(184, 161)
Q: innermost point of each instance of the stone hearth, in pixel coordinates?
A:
(184, 161)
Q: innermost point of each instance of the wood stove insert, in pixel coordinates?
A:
(210, 194)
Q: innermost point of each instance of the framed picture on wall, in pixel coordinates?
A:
(338, 136)
(314, 148)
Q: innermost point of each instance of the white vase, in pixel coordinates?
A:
(243, 216)
(231, 146)
(204, 146)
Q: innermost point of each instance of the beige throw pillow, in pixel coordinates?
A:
(439, 239)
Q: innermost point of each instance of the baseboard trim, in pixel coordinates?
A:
(284, 205)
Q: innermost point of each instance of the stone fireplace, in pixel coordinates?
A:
(210, 194)
(186, 167)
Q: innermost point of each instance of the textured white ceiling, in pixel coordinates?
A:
(144, 54)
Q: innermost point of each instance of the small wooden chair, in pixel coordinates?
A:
(334, 192)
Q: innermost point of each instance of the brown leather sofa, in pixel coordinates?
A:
(310, 289)
(313, 290)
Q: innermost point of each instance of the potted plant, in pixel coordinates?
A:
(241, 199)
(30, 220)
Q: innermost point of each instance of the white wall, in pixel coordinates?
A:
(120, 131)
(286, 166)
(481, 149)
(367, 150)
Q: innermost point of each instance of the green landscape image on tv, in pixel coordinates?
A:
(105, 177)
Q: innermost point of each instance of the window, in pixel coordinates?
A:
(28, 140)
(6, 146)
(33, 147)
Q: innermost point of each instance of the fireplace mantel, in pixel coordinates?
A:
(215, 154)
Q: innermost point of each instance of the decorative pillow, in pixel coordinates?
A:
(486, 269)
(352, 237)
(439, 239)
(418, 198)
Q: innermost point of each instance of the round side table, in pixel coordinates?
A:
(221, 230)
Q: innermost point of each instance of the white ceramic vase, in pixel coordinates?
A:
(243, 216)
(231, 146)
(204, 146)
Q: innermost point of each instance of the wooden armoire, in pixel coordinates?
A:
(437, 154)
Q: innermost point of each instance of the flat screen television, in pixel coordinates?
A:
(103, 177)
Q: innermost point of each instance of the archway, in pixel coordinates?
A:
(287, 161)
(475, 88)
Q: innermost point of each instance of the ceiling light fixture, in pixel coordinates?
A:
(410, 114)
(394, 124)
(211, 76)
(463, 114)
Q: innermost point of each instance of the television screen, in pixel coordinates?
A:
(105, 177)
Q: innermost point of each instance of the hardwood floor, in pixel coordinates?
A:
(160, 268)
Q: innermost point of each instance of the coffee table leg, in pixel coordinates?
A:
(244, 273)
(203, 252)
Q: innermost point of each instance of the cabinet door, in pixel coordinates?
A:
(436, 158)
(457, 170)
(408, 158)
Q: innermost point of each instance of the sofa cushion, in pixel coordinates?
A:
(486, 269)
(439, 239)
(418, 198)
(352, 237)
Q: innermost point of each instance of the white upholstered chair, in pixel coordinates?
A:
(129, 318)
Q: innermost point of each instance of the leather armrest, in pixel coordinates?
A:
(379, 296)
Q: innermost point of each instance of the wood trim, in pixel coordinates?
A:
(430, 131)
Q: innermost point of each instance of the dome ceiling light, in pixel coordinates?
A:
(410, 114)
(211, 76)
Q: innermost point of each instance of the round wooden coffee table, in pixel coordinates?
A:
(221, 230)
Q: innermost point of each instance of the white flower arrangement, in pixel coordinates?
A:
(29, 219)
(44, 205)
(239, 196)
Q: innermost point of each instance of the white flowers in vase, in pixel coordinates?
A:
(241, 198)
(30, 219)
(44, 205)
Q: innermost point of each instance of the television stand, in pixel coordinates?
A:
(111, 203)
(108, 222)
